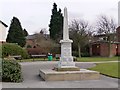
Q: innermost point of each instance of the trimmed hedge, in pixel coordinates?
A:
(13, 49)
(11, 71)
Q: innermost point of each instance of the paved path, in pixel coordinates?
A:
(32, 80)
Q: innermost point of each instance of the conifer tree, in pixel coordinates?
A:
(25, 32)
(15, 33)
(56, 23)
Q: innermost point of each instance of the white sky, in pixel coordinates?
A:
(35, 14)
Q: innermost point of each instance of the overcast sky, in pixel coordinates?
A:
(35, 14)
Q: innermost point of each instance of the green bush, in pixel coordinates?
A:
(75, 53)
(85, 54)
(29, 46)
(11, 71)
(13, 49)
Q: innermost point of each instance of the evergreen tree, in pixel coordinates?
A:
(15, 33)
(25, 32)
(56, 23)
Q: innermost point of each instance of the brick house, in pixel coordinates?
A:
(101, 48)
(100, 45)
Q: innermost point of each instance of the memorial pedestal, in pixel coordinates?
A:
(82, 74)
(66, 59)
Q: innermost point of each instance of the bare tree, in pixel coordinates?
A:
(41, 41)
(43, 31)
(80, 30)
(106, 26)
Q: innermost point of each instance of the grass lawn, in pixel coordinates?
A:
(110, 69)
(96, 59)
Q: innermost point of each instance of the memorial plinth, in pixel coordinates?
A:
(66, 69)
(82, 74)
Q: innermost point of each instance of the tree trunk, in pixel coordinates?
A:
(79, 50)
(109, 48)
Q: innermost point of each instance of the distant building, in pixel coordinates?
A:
(100, 47)
(31, 45)
(3, 27)
(30, 41)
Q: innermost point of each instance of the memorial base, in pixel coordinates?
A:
(82, 74)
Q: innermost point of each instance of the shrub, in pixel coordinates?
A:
(85, 54)
(11, 71)
(13, 49)
(29, 46)
(75, 53)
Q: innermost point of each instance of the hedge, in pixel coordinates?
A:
(13, 49)
(11, 71)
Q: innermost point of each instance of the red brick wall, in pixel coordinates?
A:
(95, 49)
(103, 49)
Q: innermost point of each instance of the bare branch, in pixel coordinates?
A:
(105, 25)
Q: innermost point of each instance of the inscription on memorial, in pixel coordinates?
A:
(66, 51)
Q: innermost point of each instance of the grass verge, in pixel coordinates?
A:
(97, 59)
(109, 69)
